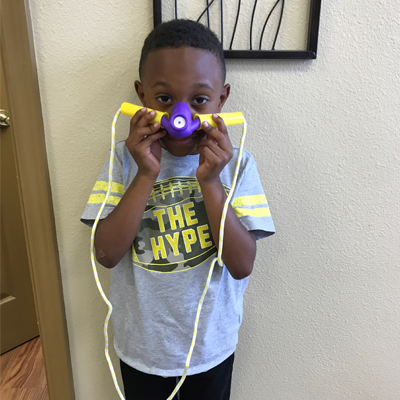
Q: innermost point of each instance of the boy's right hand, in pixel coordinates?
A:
(143, 143)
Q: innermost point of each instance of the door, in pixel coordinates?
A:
(20, 71)
(17, 307)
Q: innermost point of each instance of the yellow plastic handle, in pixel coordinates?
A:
(235, 118)
(131, 109)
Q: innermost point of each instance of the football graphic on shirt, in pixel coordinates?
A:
(174, 234)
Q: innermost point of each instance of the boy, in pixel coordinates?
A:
(160, 227)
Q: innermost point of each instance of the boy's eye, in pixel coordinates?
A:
(164, 99)
(200, 100)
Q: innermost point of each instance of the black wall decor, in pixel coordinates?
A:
(255, 49)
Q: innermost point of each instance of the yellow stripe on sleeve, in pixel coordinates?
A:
(253, 212)
(249, 200)
(97, 198)
(115, 187)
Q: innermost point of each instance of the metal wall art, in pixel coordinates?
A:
(223, 18)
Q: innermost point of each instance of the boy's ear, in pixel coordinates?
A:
(140, 92)
(226, 90)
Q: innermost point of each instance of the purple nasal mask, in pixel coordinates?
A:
(180, 124)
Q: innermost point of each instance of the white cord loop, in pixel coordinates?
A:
(218, 259)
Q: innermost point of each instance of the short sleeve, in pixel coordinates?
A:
(99, 192)
(250, 203)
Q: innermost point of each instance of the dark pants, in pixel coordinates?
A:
(214, 384)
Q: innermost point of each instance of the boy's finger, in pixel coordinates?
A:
(208, 153)
(218, 136)
(142, 133)
(219, 151)
(207, 128)
(213, 146)
(147, 141)
(154, 136)
(146, 118)
(138, 115)
(148, 130)
(220, 123)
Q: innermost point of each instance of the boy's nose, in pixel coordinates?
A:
(189, 106)
(180, 123)
(181, 112)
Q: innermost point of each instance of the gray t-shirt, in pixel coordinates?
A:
(156, 287)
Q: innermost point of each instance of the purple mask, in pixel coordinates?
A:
(180, 123)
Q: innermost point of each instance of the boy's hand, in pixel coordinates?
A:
(215, 151)
(143, 144)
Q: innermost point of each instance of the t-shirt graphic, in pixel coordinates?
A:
(174, 234)
(154, 307)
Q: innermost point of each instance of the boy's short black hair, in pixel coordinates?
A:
(183, 33)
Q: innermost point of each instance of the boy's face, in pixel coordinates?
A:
(184, 74)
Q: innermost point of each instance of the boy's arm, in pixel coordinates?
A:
(116, 232)
(239, 247)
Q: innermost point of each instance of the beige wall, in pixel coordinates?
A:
(322, 316)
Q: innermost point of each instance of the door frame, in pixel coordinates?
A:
(17, 50)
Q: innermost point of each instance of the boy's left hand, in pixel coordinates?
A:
(215, 151)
